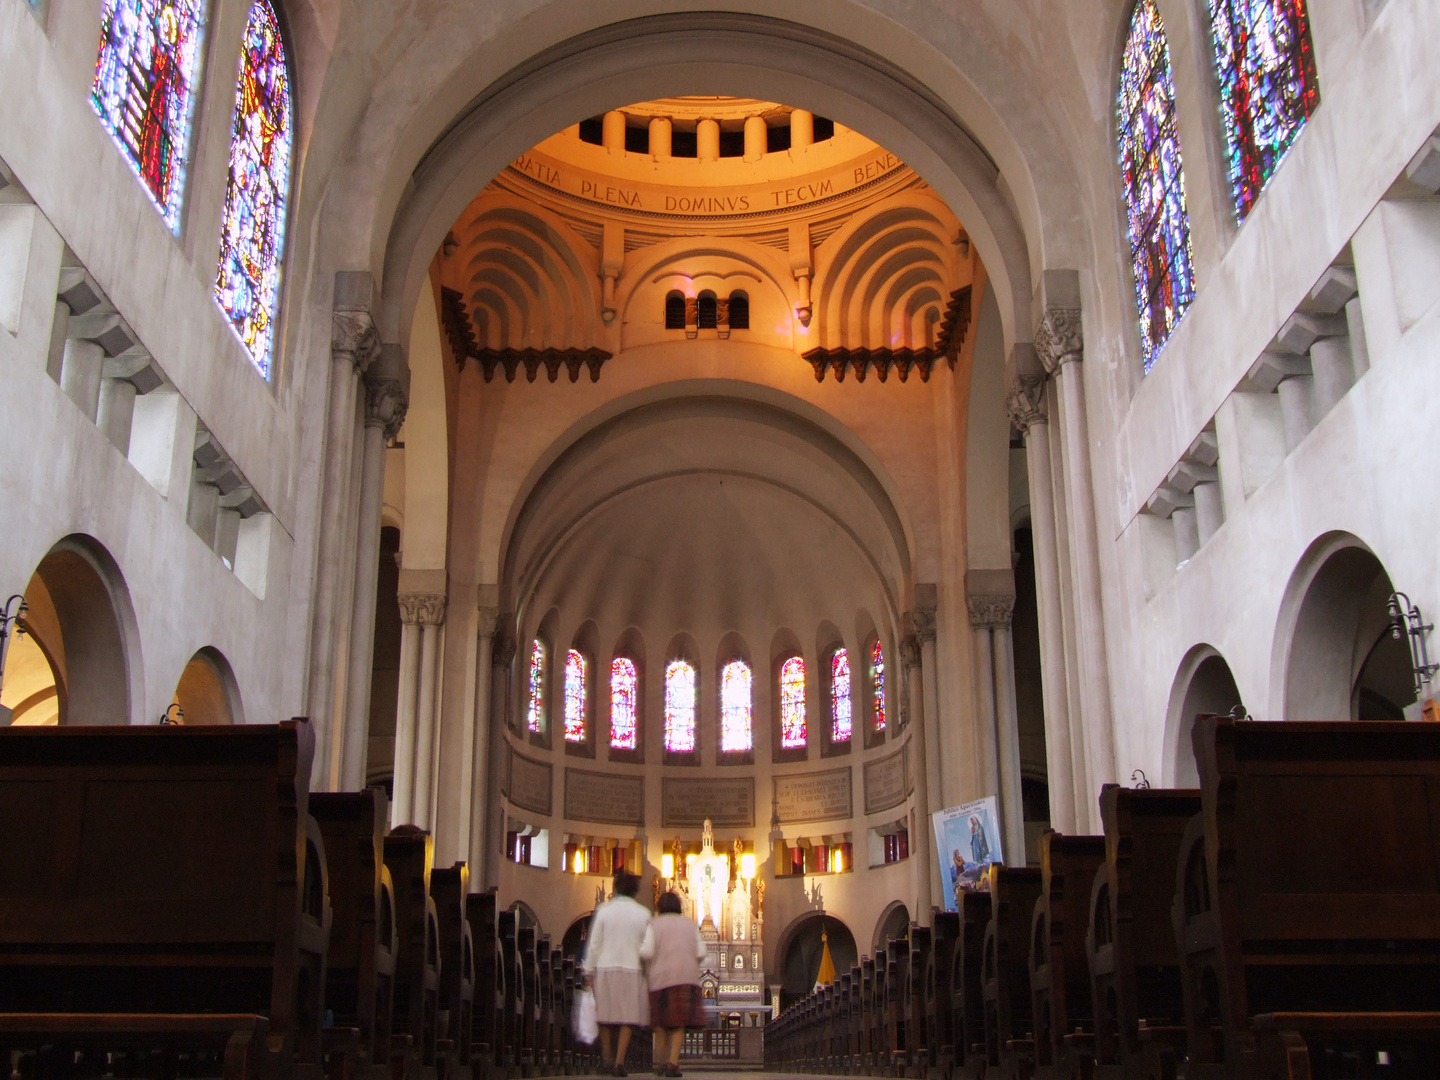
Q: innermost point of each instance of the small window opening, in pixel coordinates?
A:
(824, 129)
(675, 311)
(637, 140)
(683, 144)
(706, 311)
(732, 144)
(593, 130)
(739, 311)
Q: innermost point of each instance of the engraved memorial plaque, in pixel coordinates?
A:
(727, 803)
(604, 797)
(819, 796)
(887, 781)
(529, 786)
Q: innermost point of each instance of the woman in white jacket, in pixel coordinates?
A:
(673, 952)
(612, 966)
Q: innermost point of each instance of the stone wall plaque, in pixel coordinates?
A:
(604, 797)
(887, 781)
(529, 786)
(817, 796)
(727, 803)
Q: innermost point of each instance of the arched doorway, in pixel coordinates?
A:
(802, 953)
(1204, 686)
(893, 924)
(207, 692)
(70, 663)
(1342, 661)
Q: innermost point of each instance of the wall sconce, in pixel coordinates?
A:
(747, 866)
(177, 720)
(1407, 624)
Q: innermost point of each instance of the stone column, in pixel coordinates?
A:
(354, 342)
(1026, 405)
(502, 666)
(403, 785)
(1060, 345)
(924, 623)
(432, 618)
(927, 885)
(990, 617)
(386, 400)
(481, 791)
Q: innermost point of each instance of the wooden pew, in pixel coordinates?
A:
(512, 993)
(917, 1029)
(168, 871)
(455, 997)
(487, 1030)
(1009, 1042)
(360, 968)
(967, 985)
(408, 855)
(1307, 903)
(136, 1044)
(1130, 946)
(529, 1001)
(1059, 970)
(939, 1015)
(857, 991)
(897, 1007)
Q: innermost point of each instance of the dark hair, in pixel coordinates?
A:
(626, 884)
(669, 905)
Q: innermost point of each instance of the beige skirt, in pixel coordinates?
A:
(622, 997)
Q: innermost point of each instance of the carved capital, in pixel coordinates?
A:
(506, 646)
(423, 609)
(489, 618)
(909, 653)
(990, 610)
(385, 405)
(353, 337)
(1059, 339)
(923, 619)
(1025, 402)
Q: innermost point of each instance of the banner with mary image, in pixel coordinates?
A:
(967, 839)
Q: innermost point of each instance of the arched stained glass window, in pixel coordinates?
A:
(144, 89)
(252, 229)
(1154, 181)
(624, 711)
(1268, 86)
(576, 672)
(840, 723)
(736, 708)
(535, 685)
(877, 684)
(680, 707)
(792, 703)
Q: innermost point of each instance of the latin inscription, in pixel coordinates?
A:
(887, 781)
(687, 803)
(804, 193)
(878, 167)
(603, 797)
(609, 194)
(822, 796)
(546, 174)
(529, 784)
(707, 204)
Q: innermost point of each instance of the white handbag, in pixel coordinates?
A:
(587, 1027)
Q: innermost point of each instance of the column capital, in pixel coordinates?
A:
(422, 608)
(386, 404)
(353, 335)
(923, 619)
(990, 611)
(1059, 339)
(488, 618)
(1025, 402)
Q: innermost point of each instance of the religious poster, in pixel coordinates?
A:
(968, 841)
(529, 786)
(820, 796)
(687, 803)
(604, 797)
(887, 781)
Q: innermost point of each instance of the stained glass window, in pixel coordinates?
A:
(1154, 181)
(736, 719)
(535, 684)
(1268, 86)
(877, 683)
(624, 712)
(252, 230)
(680, 707)
(792, 703)
(575, 672)
(840, 697)
(144, 89)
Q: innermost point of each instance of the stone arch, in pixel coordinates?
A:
(1203, 684)
(1334, 657)
(894, 922)
(799, 950)
(83, 640)
(208, 692)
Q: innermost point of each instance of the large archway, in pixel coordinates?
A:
(1204, 685)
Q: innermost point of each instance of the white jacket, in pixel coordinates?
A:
(616, 932)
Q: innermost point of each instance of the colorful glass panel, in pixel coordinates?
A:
(252, 229)
(624, 711)
(877, 684)
(1154, 182)
(792, 703)
(144, 89)
(576, 670)
(535, 684)
(840, 697)
(1268, 86)
(680, 707)
(736, 709)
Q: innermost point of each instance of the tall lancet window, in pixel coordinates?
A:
(577, 671)
(736, 708)
(792, 703)
(146, 75)
(877, 684)
(840, 721)
(680, 707)
(624, 710)
(252, 228)
(535, 685)
(1268, 86)
(1153, 177)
